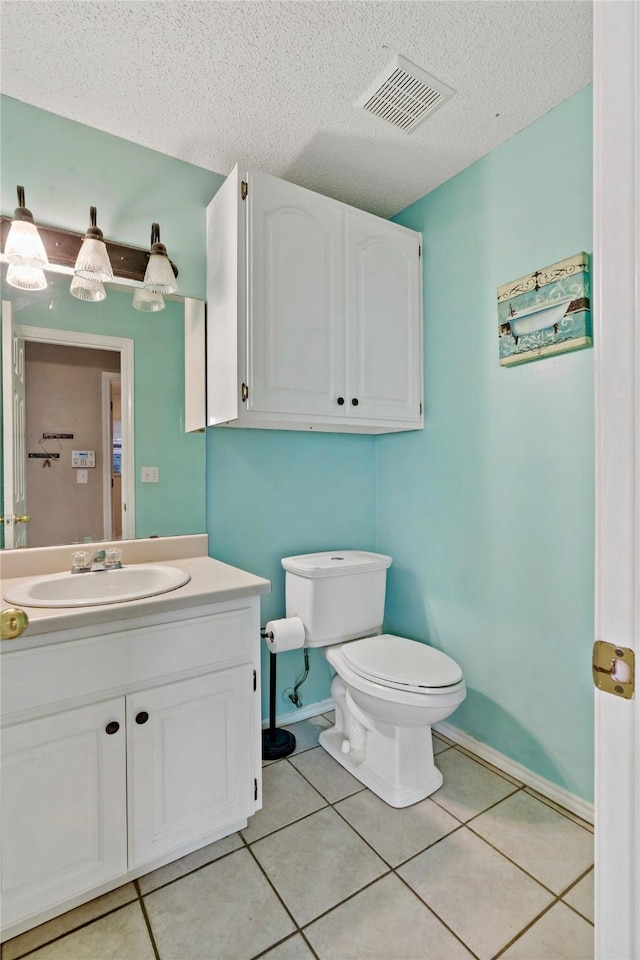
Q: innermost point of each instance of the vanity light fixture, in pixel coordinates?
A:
(91, 291)
(93, 260)
(25, 250)
(147, 301)
(159, 276)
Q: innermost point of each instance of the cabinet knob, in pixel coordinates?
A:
(142, 717)
(355, 402)
(112, 727)
(340, 401)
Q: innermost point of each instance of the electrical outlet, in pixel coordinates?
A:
(150, 475)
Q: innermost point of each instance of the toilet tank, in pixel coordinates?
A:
(338, 595)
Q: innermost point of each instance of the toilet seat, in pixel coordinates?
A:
(401, 664)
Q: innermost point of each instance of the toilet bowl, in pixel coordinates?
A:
(387, 690)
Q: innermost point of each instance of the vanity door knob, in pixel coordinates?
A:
(142, 717)
(112, 727)
(340, 401)
(355, 402)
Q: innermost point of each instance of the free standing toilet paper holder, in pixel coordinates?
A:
(276, 742)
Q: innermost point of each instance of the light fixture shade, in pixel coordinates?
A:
(93, 260)
(26, 278)
(147, 301)
(24, 246)
(92, 291)
(159, 276)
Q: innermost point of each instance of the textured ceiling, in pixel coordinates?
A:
(272, 84)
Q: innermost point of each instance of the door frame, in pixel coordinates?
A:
(124, 346)
(108, 379)
(617, 408)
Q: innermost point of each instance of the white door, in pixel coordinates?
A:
(617, 358)
(14, 441)
(63, 807)
(190, 760)
(295, 299)
(384, 320)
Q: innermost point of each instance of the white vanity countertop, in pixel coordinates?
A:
(211, 582)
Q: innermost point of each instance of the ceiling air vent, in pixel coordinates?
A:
(404, 95)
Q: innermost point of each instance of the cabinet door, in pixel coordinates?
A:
(384, 311)
(190, 760)
(295, 303)
(63, 807)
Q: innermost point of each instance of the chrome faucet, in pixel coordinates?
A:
(98, 561)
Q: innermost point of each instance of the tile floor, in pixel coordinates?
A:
(484, 868)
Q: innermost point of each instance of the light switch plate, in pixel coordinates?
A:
(150, 475)
(82, 476)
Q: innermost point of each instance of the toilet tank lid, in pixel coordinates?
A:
(335, 563)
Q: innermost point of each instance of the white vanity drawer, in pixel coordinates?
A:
(81, 669)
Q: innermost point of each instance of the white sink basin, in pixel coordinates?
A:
(104, 586)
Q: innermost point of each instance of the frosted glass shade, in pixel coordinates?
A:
(24, 246)
(26, 278)
(91, 291)
(93, 261)
(147, 301)
(159, 276)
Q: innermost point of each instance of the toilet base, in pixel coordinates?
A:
(395, 794)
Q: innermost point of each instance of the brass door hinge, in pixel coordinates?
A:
(614, 669)
(244, 189)
(244, 393)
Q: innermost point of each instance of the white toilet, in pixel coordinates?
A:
(388, 690)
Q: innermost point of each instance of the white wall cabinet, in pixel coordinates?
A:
(124, 750)
(314, 312)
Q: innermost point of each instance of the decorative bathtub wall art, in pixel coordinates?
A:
(545, 313)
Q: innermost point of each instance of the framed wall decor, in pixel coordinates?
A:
(546, 312)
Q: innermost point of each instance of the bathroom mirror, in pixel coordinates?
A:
(103, 452)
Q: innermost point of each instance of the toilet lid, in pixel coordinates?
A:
(401, 662)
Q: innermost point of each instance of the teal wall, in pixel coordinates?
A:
(489, 512)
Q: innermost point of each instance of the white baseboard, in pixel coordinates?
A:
(540, 784)
(304, 713)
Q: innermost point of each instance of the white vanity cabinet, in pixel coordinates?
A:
(314, 315)
(125, 746)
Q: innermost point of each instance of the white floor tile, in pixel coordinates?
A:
(468, 787)
(327, 776)
(384, 922)
(316, 863)
(559, 935)
(286, 796)
(482, 897)
(122, 935)
(396, 833)
(226, 910)
(68, 921)
(544, 843)
(581, 897)
(292, 949)
(180, 868)
(307, 732)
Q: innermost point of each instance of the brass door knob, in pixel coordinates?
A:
(23, 519)
(13, 623)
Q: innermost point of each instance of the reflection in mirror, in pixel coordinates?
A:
(96, 374)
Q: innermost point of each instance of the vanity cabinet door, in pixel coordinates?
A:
(384, 310)
(190, 760)
(63, 807)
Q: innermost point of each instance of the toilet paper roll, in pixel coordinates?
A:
(285, 634)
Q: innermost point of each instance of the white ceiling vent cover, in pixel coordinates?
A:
(404, 95)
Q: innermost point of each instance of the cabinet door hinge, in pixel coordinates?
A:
(244, 393)
(255, 680)
(244, 189)
(420, 409)
(419, 249)
(255, 789)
